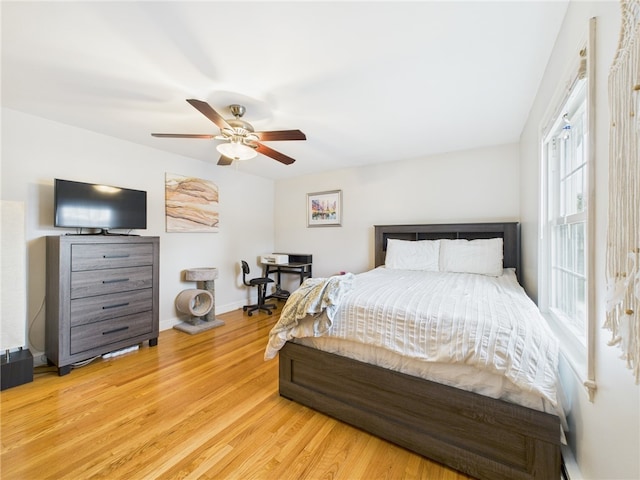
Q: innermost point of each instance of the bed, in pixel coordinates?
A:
(484, 437)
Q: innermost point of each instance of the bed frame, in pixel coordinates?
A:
(485, 438)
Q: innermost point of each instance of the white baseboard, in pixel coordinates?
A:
(571, 470)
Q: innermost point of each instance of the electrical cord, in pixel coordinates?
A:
(85, 362)
(30, 329)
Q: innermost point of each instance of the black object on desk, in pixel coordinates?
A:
(299, 264)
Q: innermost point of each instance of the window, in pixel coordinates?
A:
(566, 194)
(566, 214)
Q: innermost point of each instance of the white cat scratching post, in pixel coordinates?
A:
(198, 304)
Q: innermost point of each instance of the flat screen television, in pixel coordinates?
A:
(93, 206)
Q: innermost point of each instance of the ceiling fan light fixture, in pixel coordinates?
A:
(236, 151)
(241, 141)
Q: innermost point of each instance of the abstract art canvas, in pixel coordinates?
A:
(191, 204)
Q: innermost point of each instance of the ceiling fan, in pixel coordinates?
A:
(242, 142)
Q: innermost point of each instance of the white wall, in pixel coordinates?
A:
(604, 435)
(475, 185)
(13, 276)
(35, 151)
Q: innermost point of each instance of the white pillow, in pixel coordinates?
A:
(412, 255)
(483, 256)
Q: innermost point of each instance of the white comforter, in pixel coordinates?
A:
(309, 311)
(485, 322)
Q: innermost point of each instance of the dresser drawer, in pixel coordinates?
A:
(110, 255)
(100, 334)
(103, 307)
(101, 282)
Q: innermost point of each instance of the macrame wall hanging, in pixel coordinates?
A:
(623, 242)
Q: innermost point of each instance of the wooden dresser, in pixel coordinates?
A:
(102, 296)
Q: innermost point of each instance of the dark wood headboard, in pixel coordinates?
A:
(509, 232)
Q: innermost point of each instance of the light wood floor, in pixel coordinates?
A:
(196, 406)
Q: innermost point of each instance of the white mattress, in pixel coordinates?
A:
(478, 333)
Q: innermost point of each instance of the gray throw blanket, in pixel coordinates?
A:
(309, 310)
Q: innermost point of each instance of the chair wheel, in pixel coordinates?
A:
(250, 313)
(270, 312)
(244, 309)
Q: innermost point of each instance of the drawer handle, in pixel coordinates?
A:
(115, 330)
(116, 280)
(126, 255)
(106, 307)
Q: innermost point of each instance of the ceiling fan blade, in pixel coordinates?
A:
(280, 135)
(210, 113)
(270, 152)
(182, 135)
(225, 160)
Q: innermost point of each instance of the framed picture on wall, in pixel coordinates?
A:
(191, 204)
(324, 209)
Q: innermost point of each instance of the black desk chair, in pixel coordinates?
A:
(261, 283)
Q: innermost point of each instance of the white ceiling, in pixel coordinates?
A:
(368, 82)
